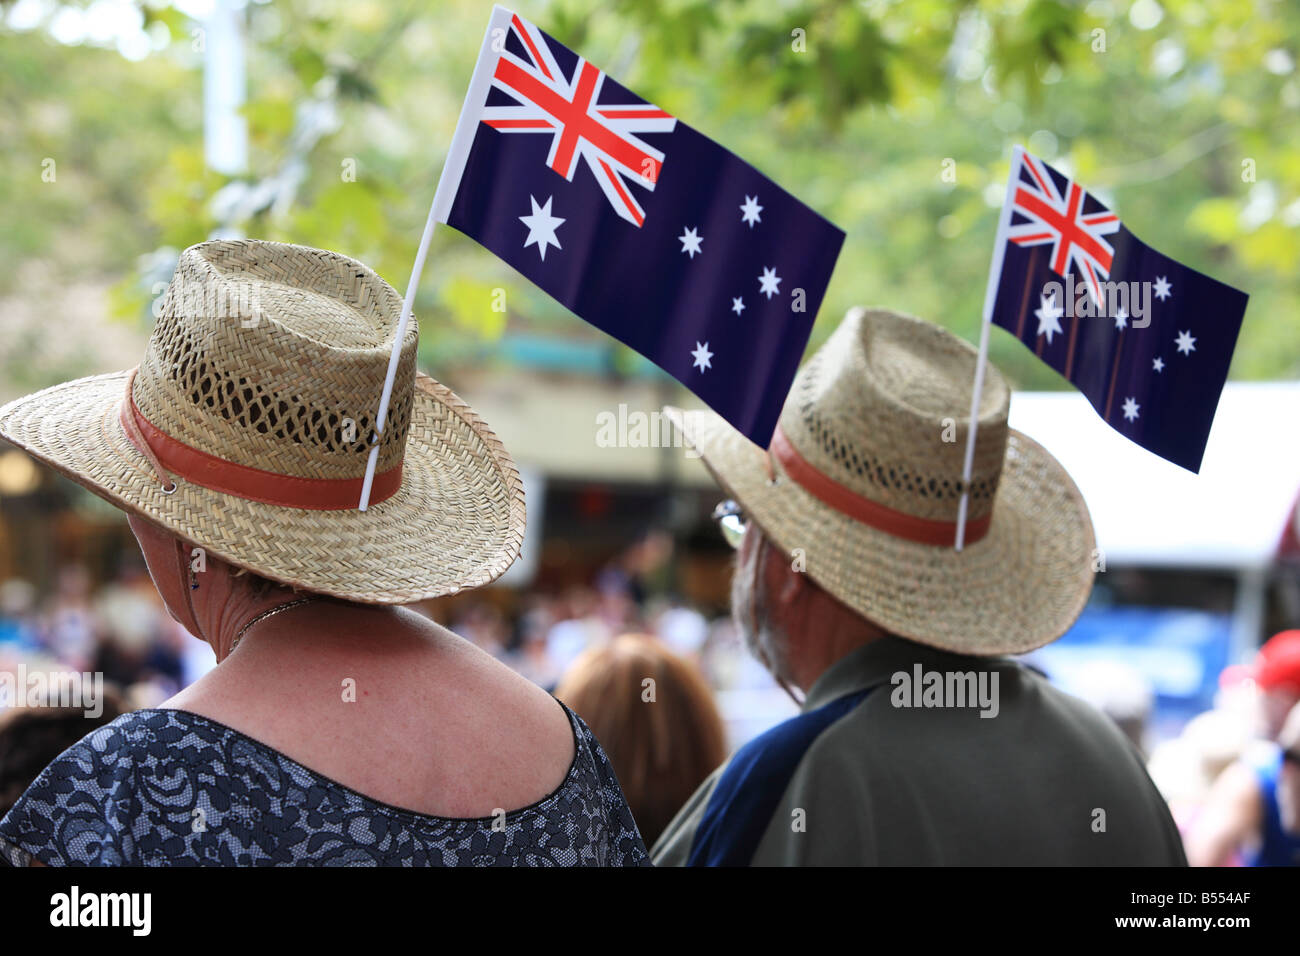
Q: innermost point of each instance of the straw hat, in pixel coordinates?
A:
(864, 483)
(246, 431)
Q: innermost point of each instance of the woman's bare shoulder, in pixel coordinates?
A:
(506, 703)
(512, 739)
(425, 721)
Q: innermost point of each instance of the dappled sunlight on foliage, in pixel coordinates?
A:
(1183, 116)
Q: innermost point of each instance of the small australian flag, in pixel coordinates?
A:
(637, 223)
(1147, 339)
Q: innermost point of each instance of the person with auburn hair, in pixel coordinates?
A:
(656, 717)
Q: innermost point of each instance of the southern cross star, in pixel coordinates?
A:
(1049, 314)
(690, 241)
(541, 227)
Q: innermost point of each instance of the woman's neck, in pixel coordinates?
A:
(225, 621)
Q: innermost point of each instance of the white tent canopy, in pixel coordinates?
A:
(1149, 511)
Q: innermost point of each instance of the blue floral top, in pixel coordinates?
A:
(170, 787)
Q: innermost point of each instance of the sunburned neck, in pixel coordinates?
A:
(830, 631)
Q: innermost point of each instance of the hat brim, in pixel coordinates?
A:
(457, 521)
(1019, 587)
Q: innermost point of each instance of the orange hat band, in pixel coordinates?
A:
(253, 484)
(853, 505)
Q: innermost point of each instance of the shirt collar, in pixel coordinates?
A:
(876, 662)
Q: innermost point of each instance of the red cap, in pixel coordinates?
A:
(1278, 663)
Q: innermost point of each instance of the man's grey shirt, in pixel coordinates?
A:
(859, 779)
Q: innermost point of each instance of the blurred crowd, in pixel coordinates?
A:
(552, 631)
(606, 648)
(119, 630)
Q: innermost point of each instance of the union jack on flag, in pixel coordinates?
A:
(637, 223)
(570, 110)
(1056, 217)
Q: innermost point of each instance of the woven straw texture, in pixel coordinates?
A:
(261, 353)
(868, 410)
(262, 350)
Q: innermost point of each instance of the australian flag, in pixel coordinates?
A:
(637, 223)
(1147, 339)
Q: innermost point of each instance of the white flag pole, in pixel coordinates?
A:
(990, 298)
(448, 184)
(382, 418)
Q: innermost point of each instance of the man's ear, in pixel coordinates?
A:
(791, 586)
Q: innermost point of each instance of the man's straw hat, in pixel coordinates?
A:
(246, 430)
(865, 479)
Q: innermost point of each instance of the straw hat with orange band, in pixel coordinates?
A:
(247, 427)
(864, 475)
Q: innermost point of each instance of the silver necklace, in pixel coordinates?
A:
(263, 616)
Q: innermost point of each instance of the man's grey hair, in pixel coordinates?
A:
(764, 637)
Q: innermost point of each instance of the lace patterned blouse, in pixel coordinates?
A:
(169, 787)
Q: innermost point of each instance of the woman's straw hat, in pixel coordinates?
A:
(864, 478)
(246, 430)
